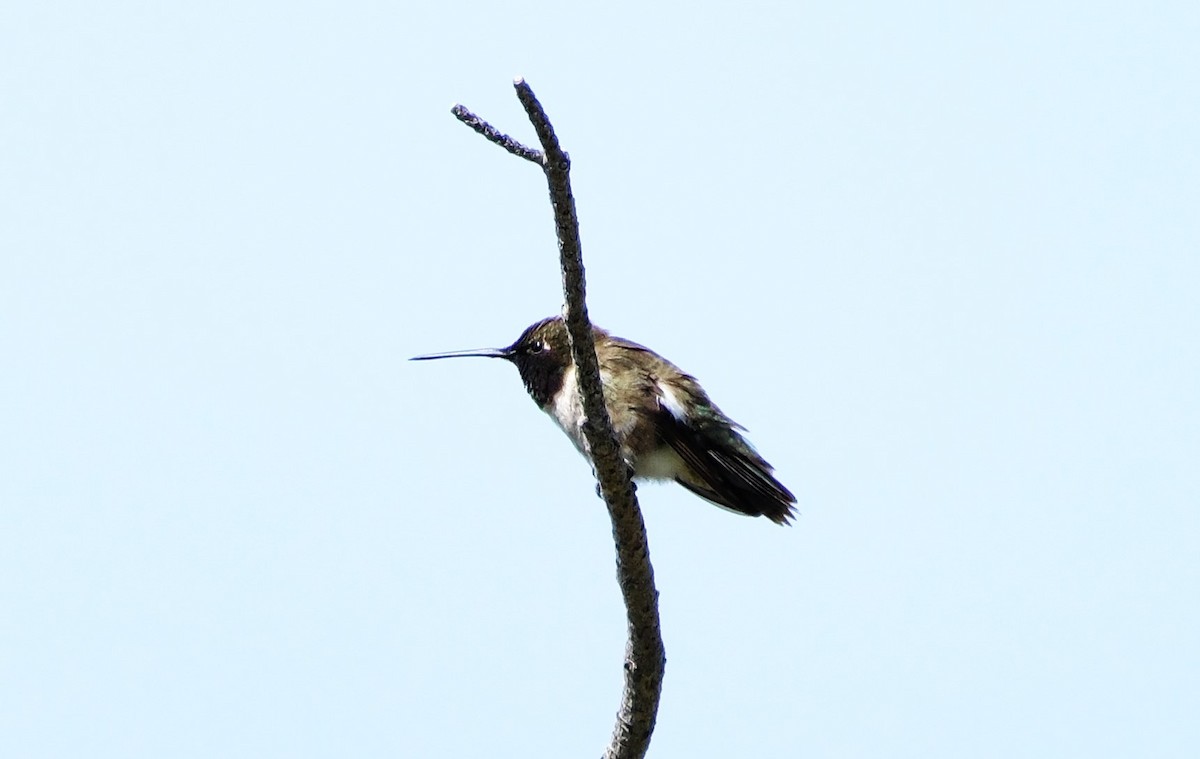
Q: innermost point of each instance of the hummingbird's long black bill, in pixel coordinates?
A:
(480, 353)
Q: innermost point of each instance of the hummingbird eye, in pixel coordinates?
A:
(537, 347)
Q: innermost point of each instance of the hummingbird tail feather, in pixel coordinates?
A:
(731, 474)
(779, 512)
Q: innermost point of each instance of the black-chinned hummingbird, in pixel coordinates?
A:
(664, 421)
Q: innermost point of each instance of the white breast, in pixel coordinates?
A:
(566, 409)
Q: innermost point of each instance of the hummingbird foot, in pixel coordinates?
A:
(628, 473)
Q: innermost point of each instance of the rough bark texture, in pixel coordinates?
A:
(645, 658)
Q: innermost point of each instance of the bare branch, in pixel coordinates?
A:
(495, 135)
(645, 658)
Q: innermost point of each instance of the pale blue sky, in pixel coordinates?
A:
(943, 260)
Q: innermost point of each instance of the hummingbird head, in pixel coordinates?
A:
(541, 354)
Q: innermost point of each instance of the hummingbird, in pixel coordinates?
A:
(665, 423)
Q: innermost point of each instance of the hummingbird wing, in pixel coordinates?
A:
(722, 465)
